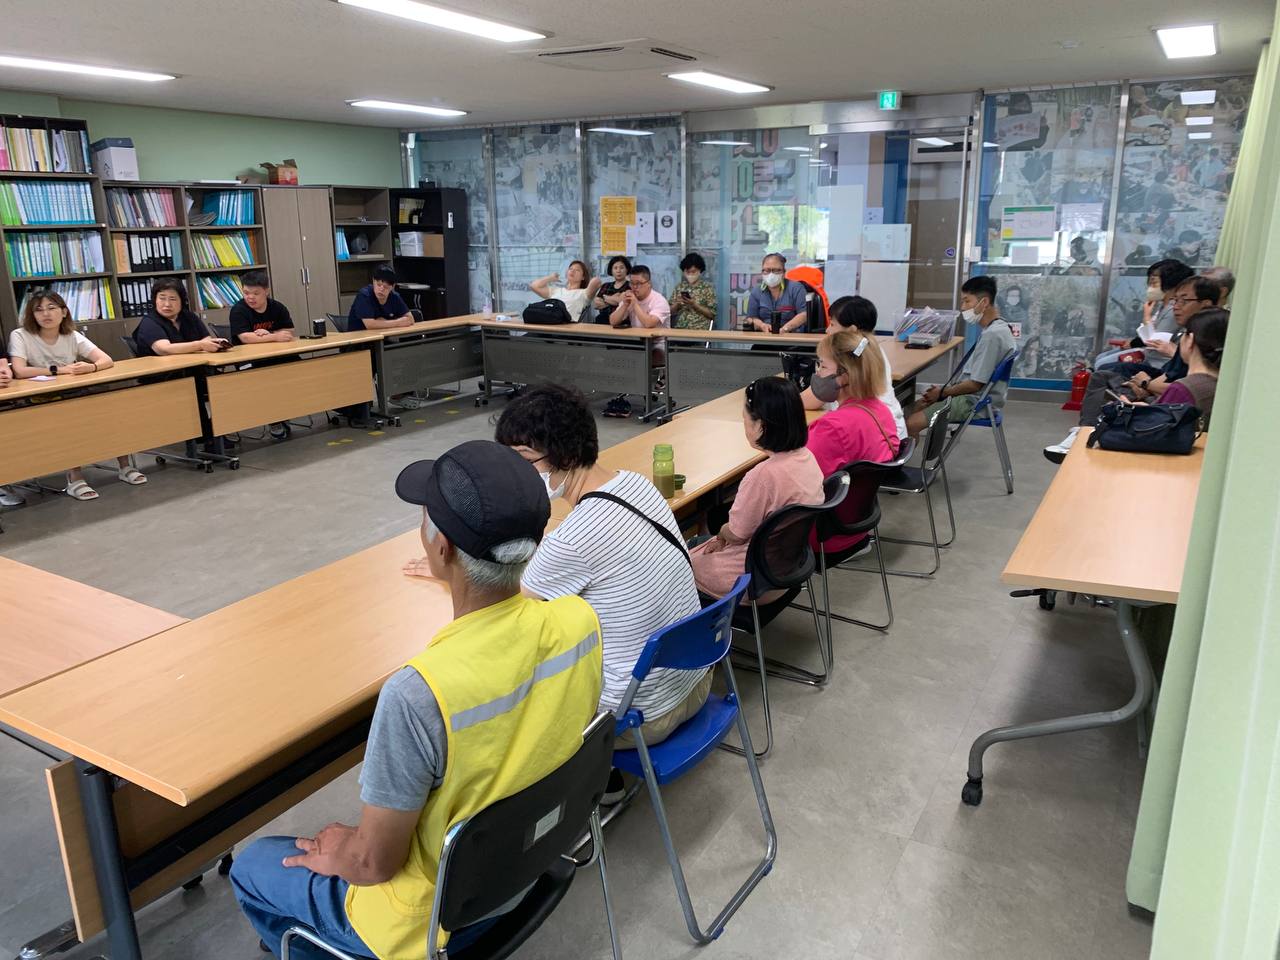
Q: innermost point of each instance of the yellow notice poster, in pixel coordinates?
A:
(616, 214)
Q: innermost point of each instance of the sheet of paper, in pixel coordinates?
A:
(873, 215)
(644, 227)
(886, 241)
(668, 228)
(885, 285)
(1024, 255)
(617, 211)
(844, 235)
(631, 240)
(613, 240)
(840, 277)
(42, 377)
(1029, 223)
(1079, 217)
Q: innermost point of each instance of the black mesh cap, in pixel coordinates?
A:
(479, 494)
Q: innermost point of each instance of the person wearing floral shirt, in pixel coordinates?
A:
(693, 302)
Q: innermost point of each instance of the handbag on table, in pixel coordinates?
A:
(1158, 428)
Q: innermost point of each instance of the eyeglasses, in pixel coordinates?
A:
(1188, 300)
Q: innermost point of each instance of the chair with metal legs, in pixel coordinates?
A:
(993, 417)
(189, 452)
(698, 642)
(913, 480)
(520, 843)
(780, 558)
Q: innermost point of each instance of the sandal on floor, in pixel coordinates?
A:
(79, 490)
(132, 475)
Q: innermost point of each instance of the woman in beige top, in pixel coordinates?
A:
(47, 344)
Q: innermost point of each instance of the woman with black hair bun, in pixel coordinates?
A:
(1200, 346)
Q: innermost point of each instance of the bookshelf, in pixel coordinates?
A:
(429, 249)
(359, 212)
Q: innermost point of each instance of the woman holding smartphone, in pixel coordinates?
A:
(171, 327)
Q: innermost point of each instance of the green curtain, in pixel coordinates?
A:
(1207, 845)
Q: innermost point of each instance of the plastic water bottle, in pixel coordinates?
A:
(488, 304)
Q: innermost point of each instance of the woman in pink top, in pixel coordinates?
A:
(773, 420)
(850, 372)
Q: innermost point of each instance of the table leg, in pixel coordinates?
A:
(1143, 683)
(96, 788)
(380, 381)
(485, 336)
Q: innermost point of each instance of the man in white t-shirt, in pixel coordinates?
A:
(860, 313)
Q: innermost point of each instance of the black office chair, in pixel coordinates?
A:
(489, 859)
(416, 314)
(779, 557)
(339, 321)
(221, 331)
(859, 514)
(914, 480)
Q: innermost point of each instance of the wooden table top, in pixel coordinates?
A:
(744, 336)
(120, 370)
(225, 692)
(1076, 541)
(907, 363)
(248, 352)
(52, 624)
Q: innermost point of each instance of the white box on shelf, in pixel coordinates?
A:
(114, 158)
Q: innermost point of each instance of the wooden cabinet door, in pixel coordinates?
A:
(318, 258)
(284, 248)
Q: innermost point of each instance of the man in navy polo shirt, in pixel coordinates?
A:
(378, 306)
(775, 298)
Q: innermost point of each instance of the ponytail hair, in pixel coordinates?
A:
(1208, 330)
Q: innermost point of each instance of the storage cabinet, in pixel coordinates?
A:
(304, 275)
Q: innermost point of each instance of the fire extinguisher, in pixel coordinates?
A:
(1079, 383)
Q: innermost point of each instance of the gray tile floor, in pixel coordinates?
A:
(878, 859)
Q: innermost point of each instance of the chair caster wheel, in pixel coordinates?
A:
(160, 461)
(1048, 600)
(224, 865)
(208, 467)
(193, 883)
(234, 465)
(971, 794)
(334, 421)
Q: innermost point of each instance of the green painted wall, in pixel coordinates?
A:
(193, 145)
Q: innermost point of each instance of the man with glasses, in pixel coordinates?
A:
(776, 306)
(1138, 383)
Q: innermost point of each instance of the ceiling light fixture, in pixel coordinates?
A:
(621, 131)
(728, 84)
(408, 108)
(1199, 121)
(1199, 136)
(1198, 98)
(447, 19)
(797, 149)
(1181, 42)
(60, 66)
(934, 142)
(725, 143)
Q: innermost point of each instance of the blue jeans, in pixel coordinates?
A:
(275, 897)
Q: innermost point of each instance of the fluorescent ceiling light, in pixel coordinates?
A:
(729, 84)
(1198, 98)
(935, 141)
(725, 143)
(59, 66)
(1180, 42)
(797, 149)
(408, 108)
(1199, 136)
(621, 131)
(447, 19)
(1199, 121)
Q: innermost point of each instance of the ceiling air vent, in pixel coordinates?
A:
(638, 54)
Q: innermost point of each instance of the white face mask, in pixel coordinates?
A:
(1154, 294)
(691, 278)
(772, 279)
(554, 493)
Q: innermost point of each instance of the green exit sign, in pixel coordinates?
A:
(890, 99)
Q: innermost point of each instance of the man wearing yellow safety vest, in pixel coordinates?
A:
(496, 701)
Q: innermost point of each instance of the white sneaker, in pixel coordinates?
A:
(10, 499)
(1057, 452)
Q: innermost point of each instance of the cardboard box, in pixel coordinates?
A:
(114, 158)
(284, 173)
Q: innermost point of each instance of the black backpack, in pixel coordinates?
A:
(546, 313)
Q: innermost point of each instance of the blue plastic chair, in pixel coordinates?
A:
(697, 642)
(993, 418)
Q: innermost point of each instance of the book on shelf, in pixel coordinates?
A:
(135, 296)
(212, 250)
(139, 252)
(43, 151)
(53, 254)
(231, 208)
(340, 244)
(219, 291)
(86, 299)
(45, 203)
(141, 207)
(409, 206)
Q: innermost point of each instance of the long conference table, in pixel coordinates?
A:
(203, 749)
(1072, 545)
(54, 424)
